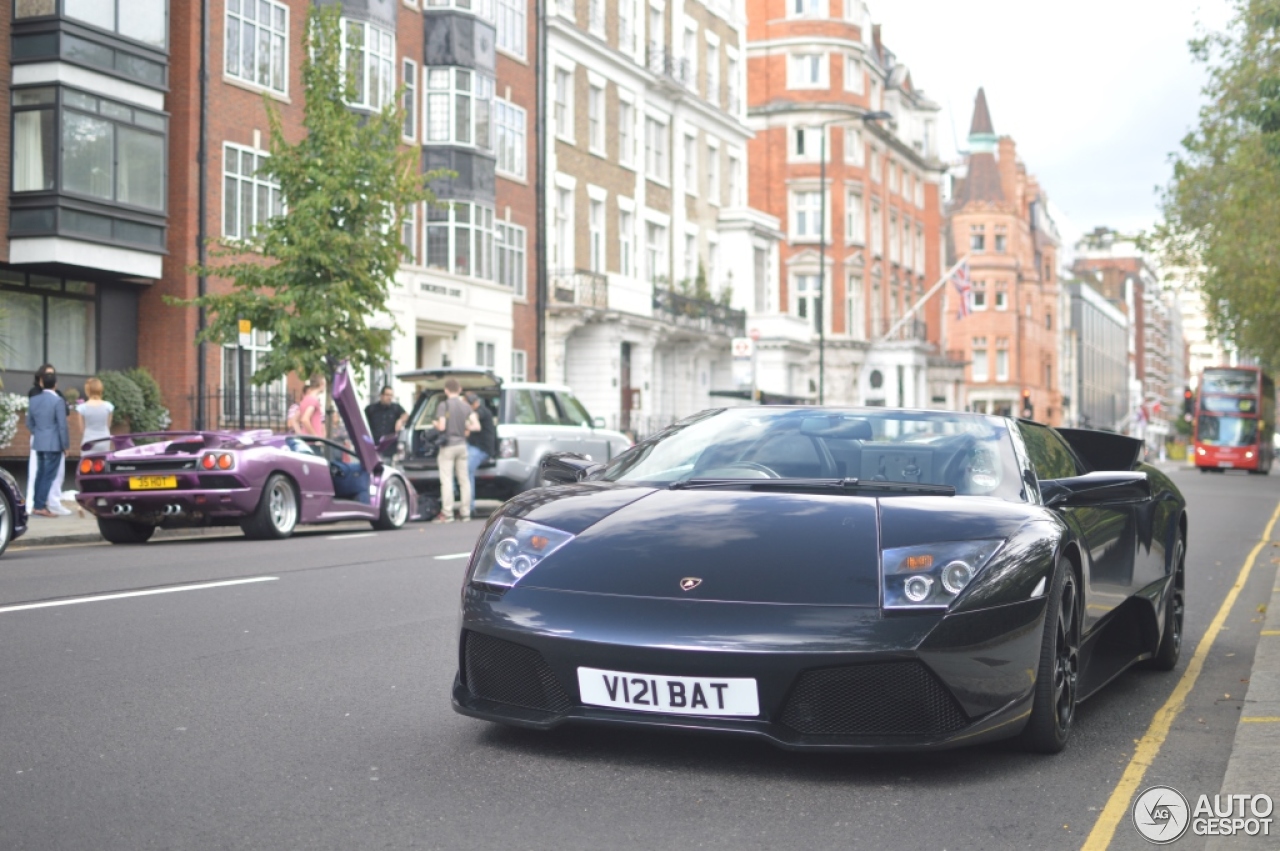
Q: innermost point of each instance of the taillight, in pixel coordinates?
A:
(85, 466)
(508, 448)
(98, 465)
(208, 462)
(224, 462)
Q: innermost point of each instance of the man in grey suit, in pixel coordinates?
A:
(47, 422)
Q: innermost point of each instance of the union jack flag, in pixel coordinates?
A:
(964, 288)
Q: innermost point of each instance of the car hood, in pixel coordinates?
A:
(742, 546)
(344, 399)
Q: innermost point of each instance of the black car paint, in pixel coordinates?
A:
(612, 599)
(17, 506)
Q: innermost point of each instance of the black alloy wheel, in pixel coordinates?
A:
(6, 523)
(1053, 708)
(1166, 656)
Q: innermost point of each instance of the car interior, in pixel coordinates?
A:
(350, 479)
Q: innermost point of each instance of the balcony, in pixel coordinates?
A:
(580, 287)
(913, 330)
(667, 66)
(696, 313)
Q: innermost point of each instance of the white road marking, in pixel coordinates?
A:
(348, 537)
(169, 590)
(452, 556)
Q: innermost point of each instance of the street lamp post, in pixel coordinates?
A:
(822, 245)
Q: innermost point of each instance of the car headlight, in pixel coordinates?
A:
(512, 549)
(932, 575)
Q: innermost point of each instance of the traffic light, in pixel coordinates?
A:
(1188, 404)
(1028, 409)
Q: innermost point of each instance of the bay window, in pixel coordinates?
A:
(460, 239)
(368, 60)
(257, 42)
(459, 108)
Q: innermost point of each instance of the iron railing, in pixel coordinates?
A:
(264, 407)
(913, 329)
(581, 287)
(704, 314)
(664, 63)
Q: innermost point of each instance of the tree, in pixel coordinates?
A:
(1222, 206)
(315, 276)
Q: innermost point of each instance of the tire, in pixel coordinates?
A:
(1166, 658)
(277, 513)
(394, 505)
(6, 523)
(1053, 707)
(124, 532)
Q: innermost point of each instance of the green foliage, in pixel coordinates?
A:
(1222, 207)
(326, 266)
(154, 415)
(124, 394)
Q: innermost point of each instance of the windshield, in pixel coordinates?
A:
(1227, 431)
(972, 453)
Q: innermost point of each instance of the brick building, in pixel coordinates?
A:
(110, 206)
(998, 217)
(818, 71)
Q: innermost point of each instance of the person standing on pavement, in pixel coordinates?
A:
(96, 414)
(482, 444)
(453, 420)
(385, 416)
(33, 463)
(311, 409)
(47, 422)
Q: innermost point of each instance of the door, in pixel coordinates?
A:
(593, 445)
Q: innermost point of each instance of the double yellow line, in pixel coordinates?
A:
(1149, 746)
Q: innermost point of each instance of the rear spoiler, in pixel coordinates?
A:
(189, 440)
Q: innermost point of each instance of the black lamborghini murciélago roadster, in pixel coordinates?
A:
(869, 579)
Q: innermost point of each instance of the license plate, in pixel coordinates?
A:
(673, 695)
(1225, 464)
(152, 483)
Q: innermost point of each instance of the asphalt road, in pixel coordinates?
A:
(311, 710)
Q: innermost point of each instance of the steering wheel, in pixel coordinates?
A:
(728, 471)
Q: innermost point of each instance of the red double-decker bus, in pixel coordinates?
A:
(1235, 420)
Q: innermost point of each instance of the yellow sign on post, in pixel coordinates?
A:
(246, 332)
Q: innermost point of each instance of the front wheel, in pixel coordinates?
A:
(277, 513)
(1053, 708)
(124, 532)
(1166, 656)
(6, 523)
(394, 508)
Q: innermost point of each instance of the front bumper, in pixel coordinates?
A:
(828, 677)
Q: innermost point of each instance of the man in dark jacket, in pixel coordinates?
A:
(47, 422)
(385, 415)
(481, 445)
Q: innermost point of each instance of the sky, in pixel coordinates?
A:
(1096, 93)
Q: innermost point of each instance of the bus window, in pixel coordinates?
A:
(1227, 431)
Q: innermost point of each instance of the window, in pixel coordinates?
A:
(854, 152)
(713, 175)
(264, 403)
(248, 199)
(459, 103)
(806, 299)
(626, 243)
(564, 104)
(257, 42)
(806, 143)
(803, 8)
(485, 354)
(595, 234)
(919, 247)
(1051, 458)
(895, 241)
(735, 90)
(689, 52)
(626, 133)
(655, 147)
(519, 365)
(713, 74)
(562, 233)
(48, 320)
(877, 230)
(141, 20)
(409, 76)
(855, 322)
(595, 17)
(855, 226)
(1001, 240)
(875, 165)
(460, 239)
(509, 243)
(480, 8)
(919, 193)
(713, 263)
(511, 26)
(109, 150)
(977, 239)
(690, 257)
(408, 229)
(806, 208)
(368, 56)
(979, 295)
(1048, 321)
(627, 27)
(1002, 296)
(853, 81)
(690, 165)
(735, 182)
(595, 119)
(980, 366)
(655, 250)
(807, 71)
(1002, 359)
(509, 120)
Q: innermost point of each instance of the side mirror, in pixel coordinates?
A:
(566, 468)
(1096, 489)
(598, 422)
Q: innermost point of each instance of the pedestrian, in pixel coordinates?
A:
(311, 409)
(47, 422)
(96, 413)
(33, 461)
(385, 415)
(453, 420)
(482, 444)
